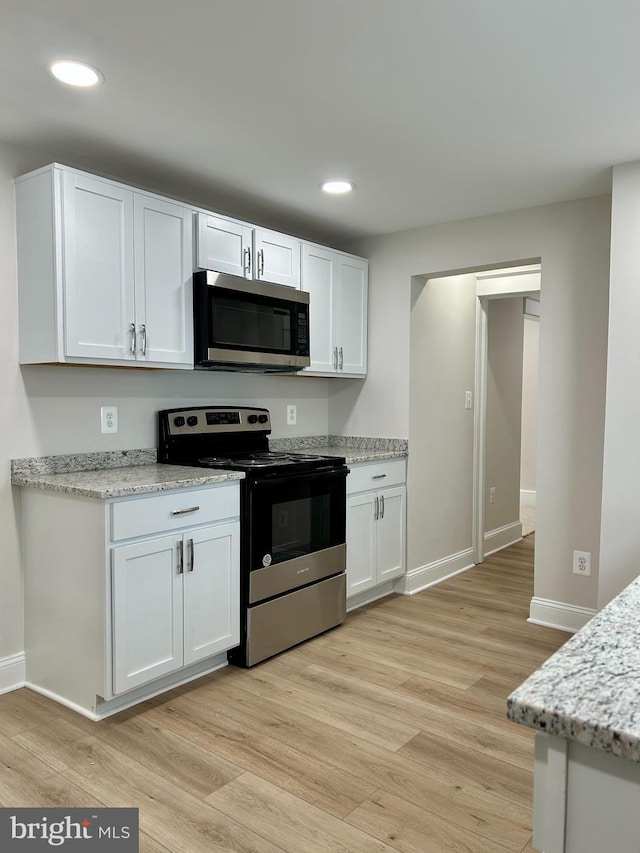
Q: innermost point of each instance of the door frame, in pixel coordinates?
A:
(480, 412)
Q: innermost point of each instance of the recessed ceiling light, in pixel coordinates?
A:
(337, 187)
(75, 73)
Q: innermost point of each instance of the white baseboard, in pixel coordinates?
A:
(362, 598)
(423, 577)
(13, 672)
(528, 497)
(502, 537)
(559, 614)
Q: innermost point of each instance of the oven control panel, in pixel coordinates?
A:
(204, 420)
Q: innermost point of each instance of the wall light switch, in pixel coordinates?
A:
(468, 399)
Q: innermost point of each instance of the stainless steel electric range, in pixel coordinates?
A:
(292, 524)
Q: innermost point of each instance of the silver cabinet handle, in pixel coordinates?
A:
(381, 506)
(377, 513)
(247, 261)
(180, 557)
(261, 257)
(143, 332)
(185, 511)
(192, 555)
(341, 359)
(132, 332)
(378, 476)
(335, 358)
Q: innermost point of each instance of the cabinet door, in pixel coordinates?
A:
(361, 557)
(224, 245)
(352, 320)
(147, 611)
(277, 257)
(390, 533)
(163, 268)
(98, 268)
(319, 281)
(211, 591)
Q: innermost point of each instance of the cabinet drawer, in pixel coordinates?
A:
(376, 475)
(174, 510)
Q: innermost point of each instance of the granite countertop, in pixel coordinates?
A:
(115, 480)
(353, 449)
(589, 690)
(114, 474)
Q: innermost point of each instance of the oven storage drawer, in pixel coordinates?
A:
(283, 622)
(131, 518)
(376, 475)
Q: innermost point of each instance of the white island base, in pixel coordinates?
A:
(585, 800)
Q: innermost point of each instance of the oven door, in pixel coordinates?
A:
(295, 531)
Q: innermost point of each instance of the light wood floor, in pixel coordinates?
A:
(386, 734)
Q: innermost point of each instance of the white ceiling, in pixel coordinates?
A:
(437, 109)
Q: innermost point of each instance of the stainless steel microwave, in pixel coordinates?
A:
(246, 325)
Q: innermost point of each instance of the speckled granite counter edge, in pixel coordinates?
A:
(588, 691)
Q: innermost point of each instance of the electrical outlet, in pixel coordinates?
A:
(109, 418)
(582, 563)
(468, 399)
(492, 495)
(292, 415)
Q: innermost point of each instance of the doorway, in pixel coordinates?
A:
(504, 428)
(447, 421)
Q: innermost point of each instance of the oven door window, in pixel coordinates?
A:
(247, 322)
(295, 516)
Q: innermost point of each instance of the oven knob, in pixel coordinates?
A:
(252, 419)
(192, 420)
(263, 419)
(179, 421)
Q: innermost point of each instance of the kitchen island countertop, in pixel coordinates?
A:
(589, 690)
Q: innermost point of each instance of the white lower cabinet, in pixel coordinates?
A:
(175, 602)
(376, 518)
(127, 597)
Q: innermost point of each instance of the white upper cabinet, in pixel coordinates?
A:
(228, 246)
(337, 287)
(277, 257)
(319, 279)
(97, 259)
(352, 308)
(163, 270)
(104, 273)
(224, 245)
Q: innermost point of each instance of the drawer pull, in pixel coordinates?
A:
(378, 476)
(185, 511)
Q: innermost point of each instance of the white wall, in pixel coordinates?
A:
(503, 412)
(49, 410)
(529, 449)
(620, 534)
(572, 239)
(440, 465)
